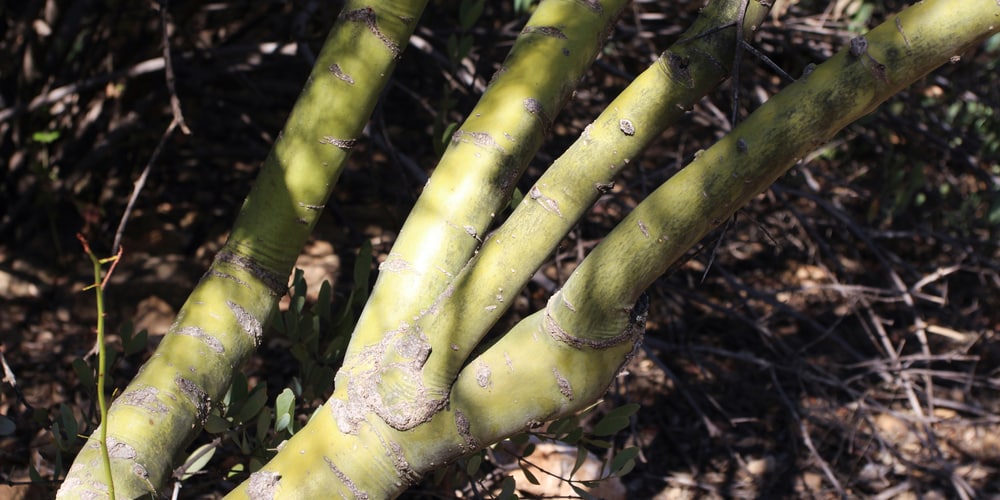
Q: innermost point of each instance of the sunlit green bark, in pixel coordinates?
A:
(595, 301)
(396, 414)
(560, 359)
(655, 100)
(159, 413)
(471, 183)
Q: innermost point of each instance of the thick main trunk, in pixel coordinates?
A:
(221, 323)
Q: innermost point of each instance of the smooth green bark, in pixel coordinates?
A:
(596, 300)
(552, 363)
(164, 407)
(472, 182)
(654, 101)
(559, 360)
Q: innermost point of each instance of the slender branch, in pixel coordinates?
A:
(102, 403)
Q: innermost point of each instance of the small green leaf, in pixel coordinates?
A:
(600, 443)
(292, 323)
(615, 420)
(215, 424)
(138, 343)
(281, 421)
(321, 379)
(449, 131)
(362, 272)
(323, 301)
(527, 474)
(564, 425)
(469, 12)
(263, 424)
(237, 394)
(84, 374)
(298, 303)
(34, 475)
(626, 410)
(473, 463)
(284, 411)
(68, 421)
(519, 440)
(254, 403)
(57, 436)
(296, 387)
(507, 488)
(126, 331)
(582, 492)
(625, 459)
(581, 458)
(198, 459)
(45, 137)
(625, 468)
(235, 471)
(299, 286)
(522, 6)
(515, 198)
(109, 360)
(439, 473)
(574, 436)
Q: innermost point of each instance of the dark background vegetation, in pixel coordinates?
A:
(837, 336)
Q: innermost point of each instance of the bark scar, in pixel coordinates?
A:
(367, 16)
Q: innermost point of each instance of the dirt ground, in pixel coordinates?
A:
(836, 338)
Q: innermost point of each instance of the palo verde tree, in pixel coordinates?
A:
(417, 388)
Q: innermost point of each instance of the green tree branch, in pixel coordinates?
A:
(165, 406)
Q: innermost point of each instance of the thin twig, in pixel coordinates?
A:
(177, 121)
(175, 102)
(139, 183)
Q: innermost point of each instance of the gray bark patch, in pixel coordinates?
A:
(547, 203)
(366, 16)
(250, 325)
(120, 450)
(551, 31)
(145, 397)
(402, 466)
(394, 264)
(676, 68)
(388, 382)
(465, 430)
(644, 229)
(314, 208)
(632, 332)
(345, 144)
(564, 386)
(227, 276)
(209, 340)
(262, 485)
(483, 375)
(482, 139)
(196, 395)
(277, 284)
(340, 74)
(347, 415)
(534, 106)
(358, 494)
(593, 5)
(626, 127)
